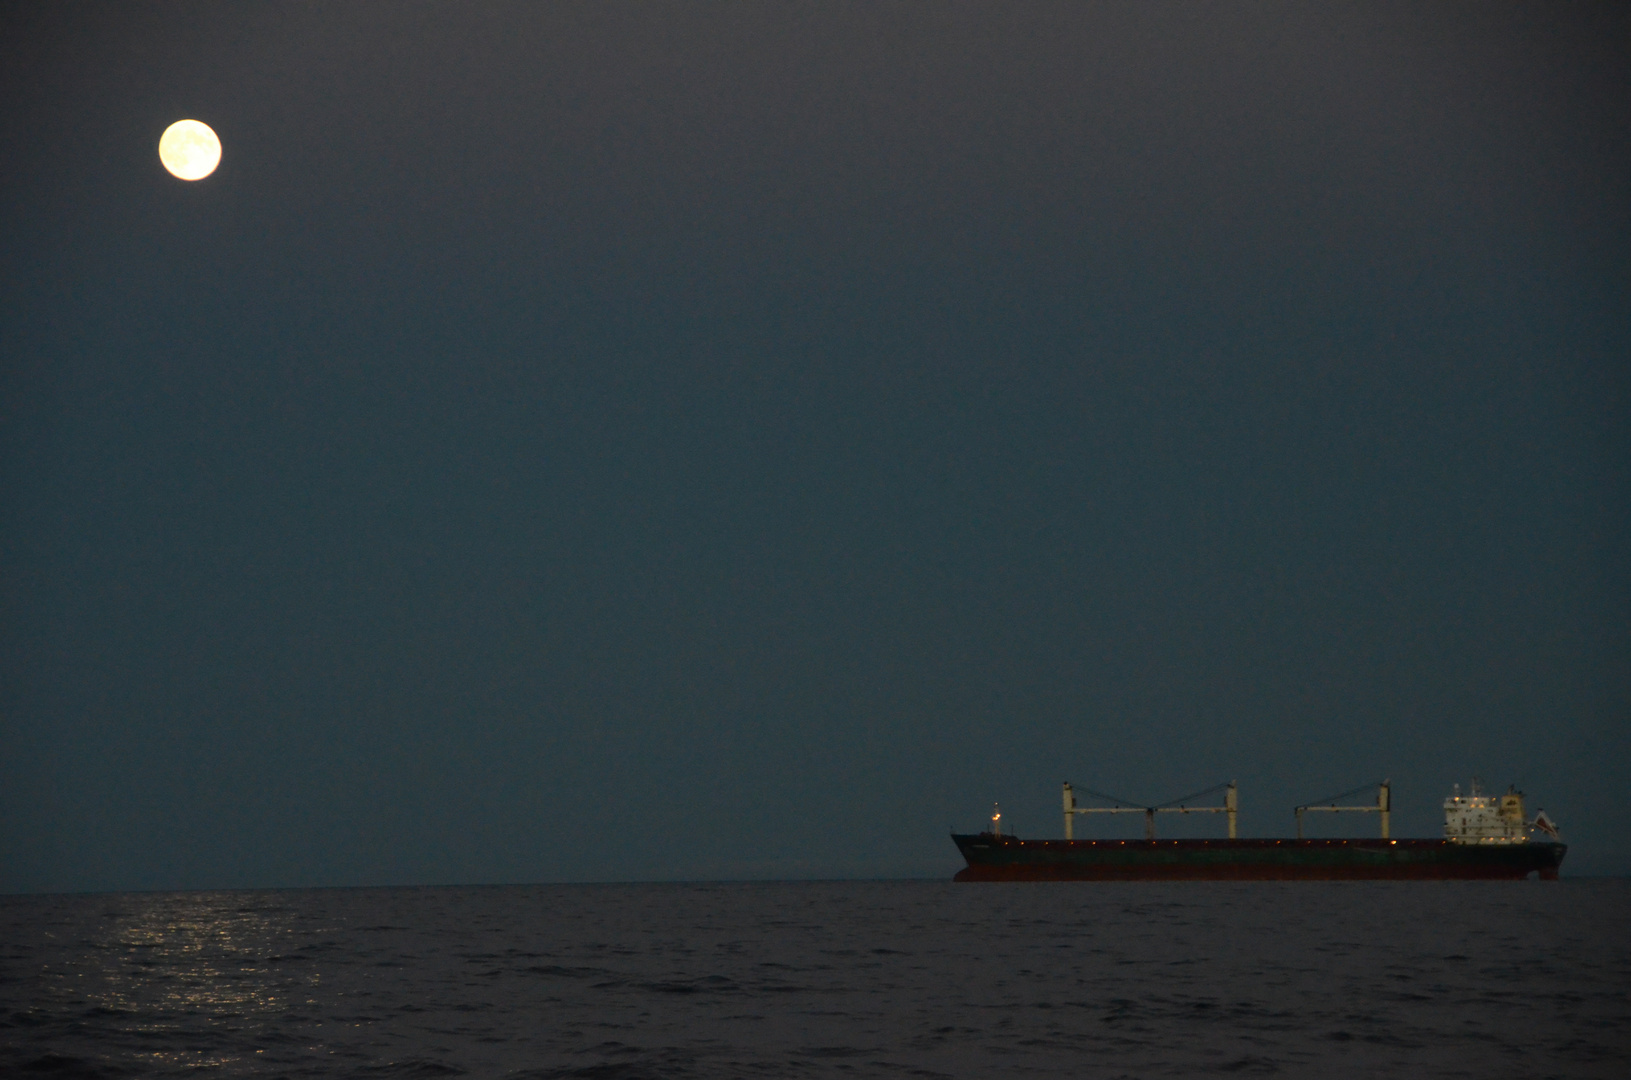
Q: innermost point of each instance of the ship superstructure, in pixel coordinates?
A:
(1476, 818)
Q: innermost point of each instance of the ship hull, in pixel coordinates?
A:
(1007, 858)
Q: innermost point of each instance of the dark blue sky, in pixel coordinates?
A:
(596, 441)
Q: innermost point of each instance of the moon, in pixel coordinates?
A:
(189, 149)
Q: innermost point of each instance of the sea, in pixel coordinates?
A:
(825, 979)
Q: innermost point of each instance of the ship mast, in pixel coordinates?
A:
(1383, 807)
(1231, 806)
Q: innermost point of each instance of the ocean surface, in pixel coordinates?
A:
(825, 979)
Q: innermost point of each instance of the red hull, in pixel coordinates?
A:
(1006, 858)
(1235, 873)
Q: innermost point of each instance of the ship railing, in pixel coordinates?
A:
(1329, 805)
(1230, 806)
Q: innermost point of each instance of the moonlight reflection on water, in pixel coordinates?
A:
(851, 979)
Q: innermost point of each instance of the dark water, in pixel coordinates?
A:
(902, 979)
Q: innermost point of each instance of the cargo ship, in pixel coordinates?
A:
(1485, 836)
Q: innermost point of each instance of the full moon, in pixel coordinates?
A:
(189, 149)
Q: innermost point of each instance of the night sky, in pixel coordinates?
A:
(612, 441)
